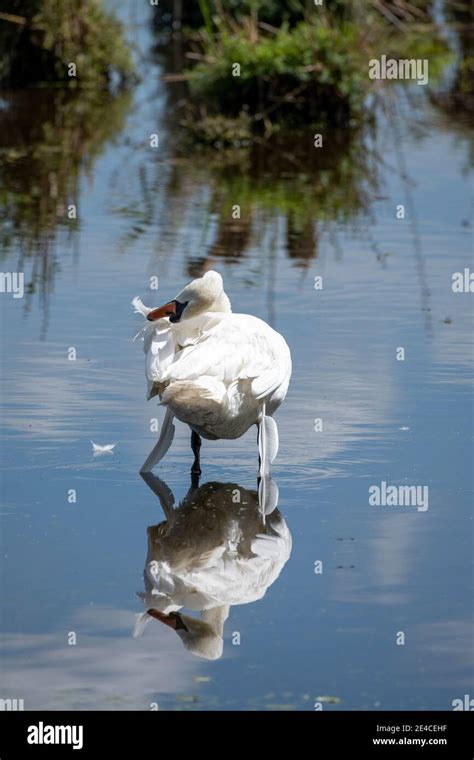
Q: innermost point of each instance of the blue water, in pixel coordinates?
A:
(75, 567)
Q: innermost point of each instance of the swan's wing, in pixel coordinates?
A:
(267, 446)
(268, 493)
(160, 348)
(158, 344)
(239, 347)
(268, 546)
(275, 543)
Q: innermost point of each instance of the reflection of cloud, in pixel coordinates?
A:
(352, 398)
(51, 397)
(389, 552)
(107, 669)
(452, 641)
(59, 400)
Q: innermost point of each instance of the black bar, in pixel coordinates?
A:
(151, 733)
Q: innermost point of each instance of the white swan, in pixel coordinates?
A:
(214, 550)
(217, 371)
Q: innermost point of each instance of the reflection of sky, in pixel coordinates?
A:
(105, 670)
(384, 570)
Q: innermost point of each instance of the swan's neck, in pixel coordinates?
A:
(221, 304)
(216, 617)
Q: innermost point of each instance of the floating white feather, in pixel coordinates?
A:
(107, 448)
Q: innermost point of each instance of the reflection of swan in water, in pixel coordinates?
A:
(216, 549)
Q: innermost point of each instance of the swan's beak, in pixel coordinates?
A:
(166, 619)
(173, 310)
(168, 310)
(173, 620)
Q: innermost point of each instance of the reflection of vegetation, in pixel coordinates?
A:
(297, 178)
(285, 188)
(40, 38)
(455, 102)
(461, 92)
(41, 160)
(298, 188)
(461, 14)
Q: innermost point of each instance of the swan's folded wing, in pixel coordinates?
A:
(229, 352)
(268, 546)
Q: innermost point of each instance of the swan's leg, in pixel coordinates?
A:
(261, 443)
(267, 442)
(196, 447)
(164, 442)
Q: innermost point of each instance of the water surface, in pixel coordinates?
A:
(143, 212)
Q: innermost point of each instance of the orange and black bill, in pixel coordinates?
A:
(173, 310)
(173, 620)
(168, 310)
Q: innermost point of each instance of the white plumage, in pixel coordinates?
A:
(216, 371)
(98, 448)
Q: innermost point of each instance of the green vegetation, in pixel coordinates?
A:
(262, 65)
(40, 38)
(308, 72)
(175, 13)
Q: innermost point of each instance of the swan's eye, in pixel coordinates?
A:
(179, 308)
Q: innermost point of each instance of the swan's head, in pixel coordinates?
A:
(201, 636)
(205, 294)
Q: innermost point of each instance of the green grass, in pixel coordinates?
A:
(310, 70)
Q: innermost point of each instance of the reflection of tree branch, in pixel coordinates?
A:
(420, 264)
(386, 12)
(13, 19)
(288, 97)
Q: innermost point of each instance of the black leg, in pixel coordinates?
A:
(258, 448)
(196, 447)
